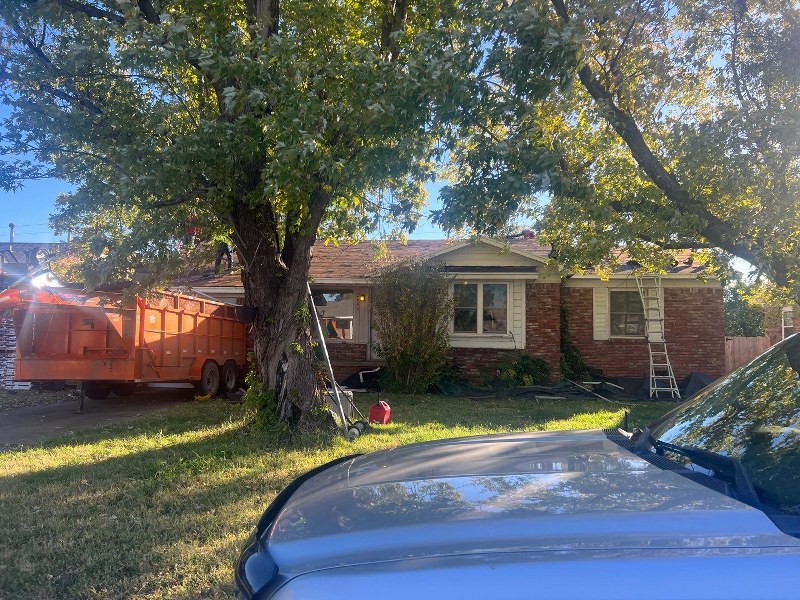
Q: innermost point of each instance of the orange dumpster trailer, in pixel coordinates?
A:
(110, 344)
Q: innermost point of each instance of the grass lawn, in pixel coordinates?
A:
(160, 508)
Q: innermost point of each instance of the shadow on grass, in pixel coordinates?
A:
(169, 520)
(152, 522)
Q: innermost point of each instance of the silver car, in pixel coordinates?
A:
(704, 503)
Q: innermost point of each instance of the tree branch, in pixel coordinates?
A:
(86, 9)
(149, 13)
(103, 159)
(80, 99)
(266, 12)
(179, 199)
(74, 94)
(394, 20)
(714, 229)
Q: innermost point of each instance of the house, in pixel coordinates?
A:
(780, 322)
(507, 301)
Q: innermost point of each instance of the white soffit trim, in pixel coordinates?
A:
(210, 290)
(333, 281)
(500, 276)
(678, 280)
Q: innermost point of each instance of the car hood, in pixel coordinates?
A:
(542, 492)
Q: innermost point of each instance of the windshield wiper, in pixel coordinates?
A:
(729, 470)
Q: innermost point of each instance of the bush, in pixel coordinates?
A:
(525, 370)
(411, 311)
(261, 403)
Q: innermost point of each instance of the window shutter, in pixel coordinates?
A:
(600, 310)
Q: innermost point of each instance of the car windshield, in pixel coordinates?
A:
(752, 415)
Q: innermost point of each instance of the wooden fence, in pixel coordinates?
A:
(740, 350)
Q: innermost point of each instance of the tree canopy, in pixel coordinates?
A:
(648, 125)
(277, 123)
(682, 131)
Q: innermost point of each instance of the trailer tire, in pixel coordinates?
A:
(94, 390)
(230, 377)
(209, 379)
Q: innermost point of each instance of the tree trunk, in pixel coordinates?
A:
(275, 280)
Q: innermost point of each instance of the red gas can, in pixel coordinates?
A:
(380, 412)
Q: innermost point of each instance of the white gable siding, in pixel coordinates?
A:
(484, 255)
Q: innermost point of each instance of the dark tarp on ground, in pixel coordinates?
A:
(371, 380)
(639, 387)
(634, 388)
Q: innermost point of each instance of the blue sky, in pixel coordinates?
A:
(29, 209)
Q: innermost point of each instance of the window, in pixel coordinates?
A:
(480, 308)
(627, 314)
(335, 309)
(787, 322)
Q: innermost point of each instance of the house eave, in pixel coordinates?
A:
(489, 242)
(337, 281)
(629, 276)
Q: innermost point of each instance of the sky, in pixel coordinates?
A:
(29, 209)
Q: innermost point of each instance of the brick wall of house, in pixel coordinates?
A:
(694, 329)
(543, 324)
(343, 356)
(618, 357)
(694, 326)
(479, 365)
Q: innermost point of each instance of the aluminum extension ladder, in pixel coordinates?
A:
(662, 377)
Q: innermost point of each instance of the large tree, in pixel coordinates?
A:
(682, 130)
(278, 123)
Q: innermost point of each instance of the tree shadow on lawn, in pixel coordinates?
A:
(166, 522)
(170, 520)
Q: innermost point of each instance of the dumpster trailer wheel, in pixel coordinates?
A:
(209, 379)
(95, 390)
(230, 377)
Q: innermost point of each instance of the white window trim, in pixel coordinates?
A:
(784, 325)
(479, 333)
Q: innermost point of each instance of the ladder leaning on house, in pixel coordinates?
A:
(662, 378)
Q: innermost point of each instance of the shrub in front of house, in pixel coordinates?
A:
(411, 309)
(525, 370)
